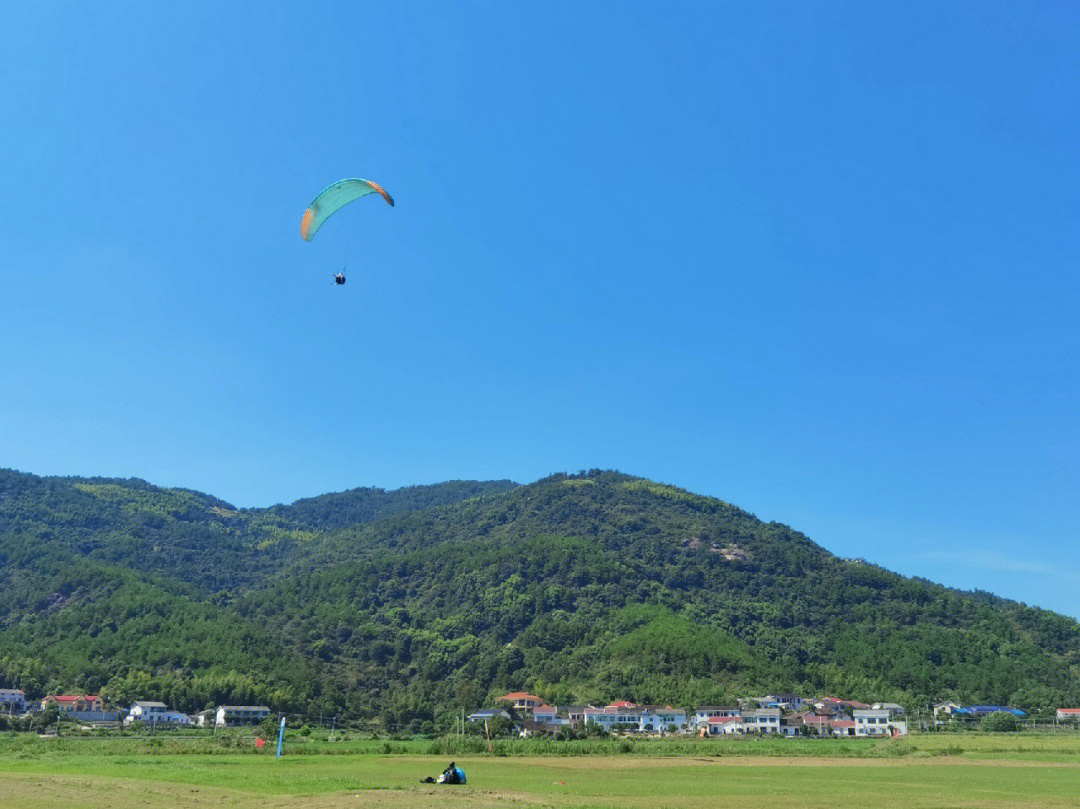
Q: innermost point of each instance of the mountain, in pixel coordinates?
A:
(405, 605)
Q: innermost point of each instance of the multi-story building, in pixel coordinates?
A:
(705, 712)
(761, 720)
(879, 722)
(656, 718)
(521, 700)
(612, 718)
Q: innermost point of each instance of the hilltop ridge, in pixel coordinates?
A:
(408, 603)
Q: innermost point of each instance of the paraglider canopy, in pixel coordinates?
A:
(333, 198)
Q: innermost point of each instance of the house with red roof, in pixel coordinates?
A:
(817, 724)
(703, 712)
(842, 727)
(1069, 713)
(82, 707)
(72, 703)
(723, 726)
(521, 700)
(545, 714)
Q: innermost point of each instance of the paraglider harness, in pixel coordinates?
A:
(339, 278)
(451, 775)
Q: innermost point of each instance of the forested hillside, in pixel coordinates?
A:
(407, 604)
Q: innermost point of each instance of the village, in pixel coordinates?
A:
(91, 709)
(526, 714)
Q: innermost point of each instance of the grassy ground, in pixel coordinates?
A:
(978, 771)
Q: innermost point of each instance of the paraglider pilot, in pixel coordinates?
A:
(451, 775)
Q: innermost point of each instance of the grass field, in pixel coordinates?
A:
(977, 771)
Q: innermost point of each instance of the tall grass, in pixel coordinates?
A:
(24, 745)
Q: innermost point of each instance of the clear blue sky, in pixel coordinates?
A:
(819, 260)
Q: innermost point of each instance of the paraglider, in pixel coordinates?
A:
(332, 199)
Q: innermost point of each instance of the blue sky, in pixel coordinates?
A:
(818, 259)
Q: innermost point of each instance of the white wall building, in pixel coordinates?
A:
(609, 718)
(156, 713)
(12, 700)
(877, 722)
(240, 715)
(724, 725)
(761, 720)
(655, 719)
(703, 713)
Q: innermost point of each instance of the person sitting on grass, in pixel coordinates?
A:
(451, 775)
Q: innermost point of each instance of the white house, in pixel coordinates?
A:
(643, 718)
(240, 715)
(12, 700)
(156, 713)
(723, 725)
(521, 700)
(1069, 713)
(791, 726)
(705, 712)
(145, 711)
(878, 722)
(546, 715)
(761, 720)
(842, 727)
(661, 718)
(609, 718)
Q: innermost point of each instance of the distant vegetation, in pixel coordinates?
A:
(406, 606)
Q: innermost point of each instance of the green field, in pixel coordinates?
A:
(936, 771)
